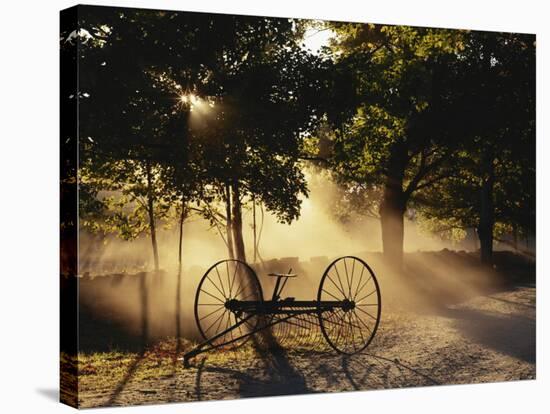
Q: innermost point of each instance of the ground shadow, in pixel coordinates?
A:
(127, 377)
(102, 329)
(430, 281)
(513, 335)
(381, 372)
(143, 295)
(362, 372)
(277, 376)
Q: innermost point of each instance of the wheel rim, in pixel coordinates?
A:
(224, 281)
(349, 329)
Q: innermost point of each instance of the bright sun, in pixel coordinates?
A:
(315, 39)
(189, 98)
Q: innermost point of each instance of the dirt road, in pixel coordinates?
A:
(489, 338)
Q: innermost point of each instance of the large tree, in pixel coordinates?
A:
(392, 148)
(489, 105)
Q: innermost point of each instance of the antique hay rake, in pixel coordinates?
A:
(230, 307)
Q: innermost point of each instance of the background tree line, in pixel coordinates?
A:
(186, 114)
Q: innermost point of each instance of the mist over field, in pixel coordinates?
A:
(317, 232)
(307, 245)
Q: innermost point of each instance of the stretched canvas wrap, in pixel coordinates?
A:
(257, 206)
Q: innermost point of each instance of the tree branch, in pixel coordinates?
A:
(433, 181)
(422, 170)
(308, 158)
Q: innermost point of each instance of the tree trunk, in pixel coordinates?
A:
(237, 224)
(268, 340)
(229, 222)
(392, 209)
(515, 236)
(183, 216)
(254, 229)
(487, 213)
(151, 213)
(144, 300)
(476, 240)
(180, 265)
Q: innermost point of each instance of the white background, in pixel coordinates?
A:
(29, 205)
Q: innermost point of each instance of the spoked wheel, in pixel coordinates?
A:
(350, 326)
(225, 281)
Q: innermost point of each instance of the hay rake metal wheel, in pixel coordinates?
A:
(349, 329)
(225, 281)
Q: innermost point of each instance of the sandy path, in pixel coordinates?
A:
(486, 339)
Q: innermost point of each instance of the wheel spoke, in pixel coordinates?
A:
(250, 281)
(351, 283)
(339, 332)
(366, 313)
(221, 283)
(341, 291)
(228, 279)
(360, 330)
(341, 323)
(238, 326)
(333, 322)
(242, 289)
(217, 288)
(363, 322)
(228, 325)
(328, 293)
(339, 279)
(347, 277)
(364, 297)
(247, 323)
(220, 323)
(214, 311)
(359, 283)
(213, 323)
(215, 297)
(364, 284)
(352, 331)
(233, 281)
